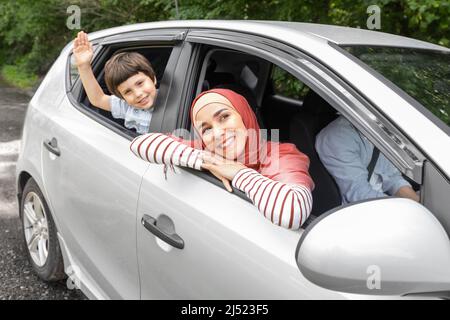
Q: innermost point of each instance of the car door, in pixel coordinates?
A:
(227, 249)
(93, 186)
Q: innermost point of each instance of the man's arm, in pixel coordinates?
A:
(407, 192)
(393, 182)
(83, 53)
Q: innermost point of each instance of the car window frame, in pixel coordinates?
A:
(309, 71)
(384, 134)
(146, 38)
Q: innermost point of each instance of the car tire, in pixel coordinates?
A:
(40, 234)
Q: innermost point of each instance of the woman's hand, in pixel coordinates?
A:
(224, 170)
(82, 50)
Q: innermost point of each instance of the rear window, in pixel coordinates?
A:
(423, 74)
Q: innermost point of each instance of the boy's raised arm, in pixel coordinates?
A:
(83, 53)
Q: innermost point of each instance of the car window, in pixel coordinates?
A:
(286, 85)
(158, 56)
(288, 105)
(249, 76)
(73, 71)
(423, 74)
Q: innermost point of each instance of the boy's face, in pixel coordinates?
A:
(138, 91)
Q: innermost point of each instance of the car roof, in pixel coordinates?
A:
(320, 32)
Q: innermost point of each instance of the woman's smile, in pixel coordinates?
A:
(227, 142)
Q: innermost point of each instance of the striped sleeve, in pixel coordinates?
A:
(162, 149)
(286, 205)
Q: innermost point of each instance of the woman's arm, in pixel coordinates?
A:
(162, 149)
(286, 205)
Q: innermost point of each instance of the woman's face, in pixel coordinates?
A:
(222, 130)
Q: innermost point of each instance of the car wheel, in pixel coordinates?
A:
(40, 236)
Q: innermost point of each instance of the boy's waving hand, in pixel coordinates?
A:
(82, 49)
(83, 53)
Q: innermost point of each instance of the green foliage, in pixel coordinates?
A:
(18, 77)
(31, 33)
(34, 32)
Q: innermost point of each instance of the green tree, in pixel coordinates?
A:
(32, 33)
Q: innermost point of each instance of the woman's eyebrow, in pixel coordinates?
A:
(214, 115)
(218, 112)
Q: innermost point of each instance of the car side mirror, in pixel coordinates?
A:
(388, 246)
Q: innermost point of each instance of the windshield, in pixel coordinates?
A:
(423, 74)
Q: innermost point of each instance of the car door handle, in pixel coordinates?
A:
(171, 238)
(52, 146)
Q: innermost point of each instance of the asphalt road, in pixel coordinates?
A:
(17, 280)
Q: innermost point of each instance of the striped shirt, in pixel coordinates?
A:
(286, 205)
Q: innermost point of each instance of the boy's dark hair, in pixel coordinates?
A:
(124, 65)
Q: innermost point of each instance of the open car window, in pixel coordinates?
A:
(282, 103)
(158, 56)
(276, 97)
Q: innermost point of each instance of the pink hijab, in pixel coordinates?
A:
(278, 161)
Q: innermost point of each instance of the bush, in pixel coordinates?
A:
(18, 77)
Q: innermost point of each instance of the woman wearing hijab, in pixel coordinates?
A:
(274, 176)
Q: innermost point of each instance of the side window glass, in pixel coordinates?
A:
(73, 71)
(286, 85)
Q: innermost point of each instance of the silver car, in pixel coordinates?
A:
(121, 228)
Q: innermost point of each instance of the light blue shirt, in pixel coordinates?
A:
(346, 154)
(138, 119)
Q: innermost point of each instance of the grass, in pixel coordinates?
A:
(17, 77)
